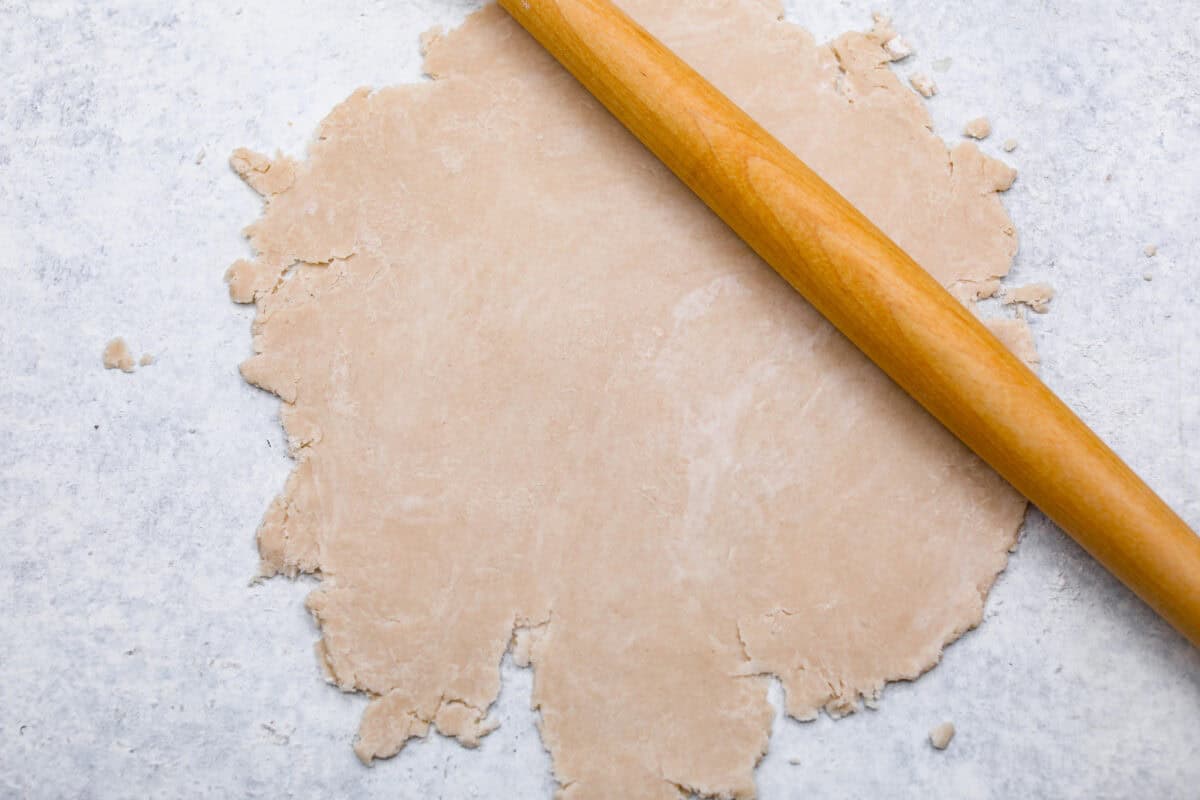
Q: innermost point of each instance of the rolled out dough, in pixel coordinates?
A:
(540, 398)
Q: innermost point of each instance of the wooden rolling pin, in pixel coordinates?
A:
(880, 298)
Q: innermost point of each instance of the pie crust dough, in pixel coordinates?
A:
(540, 398)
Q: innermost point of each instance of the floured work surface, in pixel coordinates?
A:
(540, 397)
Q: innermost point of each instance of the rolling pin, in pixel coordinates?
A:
(879, 298)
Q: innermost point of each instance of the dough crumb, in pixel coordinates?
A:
(897, 48)
(1151, 250)
(146, 360)
(117, 356)
(795, 762)
(978, 128)
(893, 44)
(923, 84)
(200, 156)
(943, 64)
(941, 735)
(1147, 276)
(1035, 295)
(1010, 145)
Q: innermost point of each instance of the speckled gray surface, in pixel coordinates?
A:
(140, 662)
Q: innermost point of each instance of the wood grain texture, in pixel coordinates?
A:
(882, 300)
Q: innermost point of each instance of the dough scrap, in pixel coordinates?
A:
(923, 84)
(541, 399)
(978, 128)
(941, 735)
(1035, 295)
(117, 355)
(894, 45)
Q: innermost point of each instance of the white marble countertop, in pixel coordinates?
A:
(139, 662)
